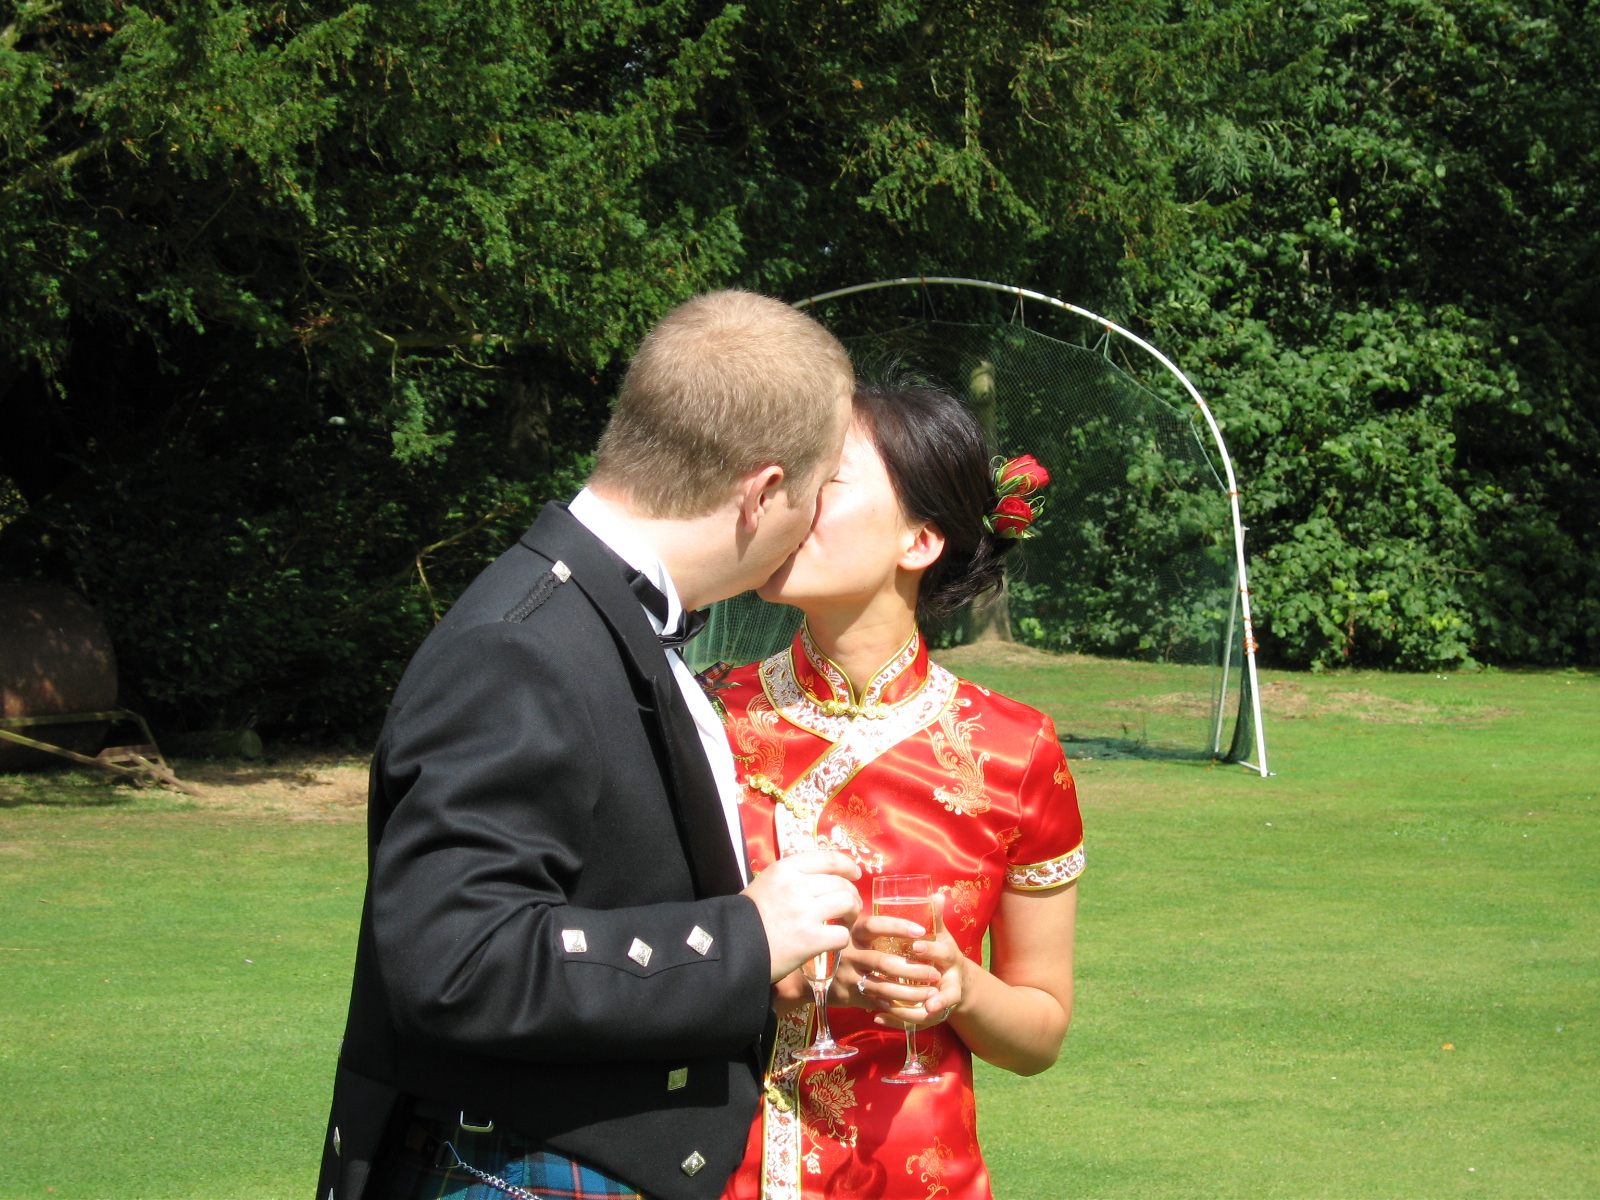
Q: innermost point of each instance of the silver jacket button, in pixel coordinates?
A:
(699, 940)
(573, 941)
(692, 1164)
(640, 952)
(677, 1079)
(336, 1139)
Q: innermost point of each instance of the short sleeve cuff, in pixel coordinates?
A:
(1036, 877)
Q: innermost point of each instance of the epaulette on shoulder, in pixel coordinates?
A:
(541, 591)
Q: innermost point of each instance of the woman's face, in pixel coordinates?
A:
(860, 541)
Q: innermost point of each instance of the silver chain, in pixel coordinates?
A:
(494, 1181)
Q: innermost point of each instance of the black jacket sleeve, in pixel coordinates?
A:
(494, 759)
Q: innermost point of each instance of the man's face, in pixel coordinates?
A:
(788, 519)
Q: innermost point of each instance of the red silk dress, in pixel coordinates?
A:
(927, 774)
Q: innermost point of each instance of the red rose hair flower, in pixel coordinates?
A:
(1012, 517)
(1024, 475)
(1014, 479)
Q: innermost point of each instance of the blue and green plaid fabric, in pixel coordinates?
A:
(426, 1170)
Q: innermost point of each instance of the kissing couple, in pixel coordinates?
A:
(605, 896)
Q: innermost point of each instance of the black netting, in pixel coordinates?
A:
(1135, 554)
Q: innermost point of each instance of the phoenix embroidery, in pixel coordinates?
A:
(759, 746)
(952, 746)
(1062, 777)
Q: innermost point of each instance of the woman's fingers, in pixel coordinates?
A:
(892, 966)
(868, 929)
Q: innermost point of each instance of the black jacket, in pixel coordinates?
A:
(541, 809)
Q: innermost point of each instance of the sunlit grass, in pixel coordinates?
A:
(1269, 970)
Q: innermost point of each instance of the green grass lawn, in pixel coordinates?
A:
(1269, 969)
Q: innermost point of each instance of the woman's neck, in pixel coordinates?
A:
(862, 637)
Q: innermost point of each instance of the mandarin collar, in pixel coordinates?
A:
(825, 682)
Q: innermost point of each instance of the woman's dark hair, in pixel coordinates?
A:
(939, 463)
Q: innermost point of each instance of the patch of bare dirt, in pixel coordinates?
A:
(299, 786)
(1174, 704)
(1285, 700)
(1004, 654)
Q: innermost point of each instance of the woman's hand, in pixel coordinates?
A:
(903, 993)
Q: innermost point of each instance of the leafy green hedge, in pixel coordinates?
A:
(1369, 230)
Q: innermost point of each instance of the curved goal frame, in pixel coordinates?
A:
(1021, 293)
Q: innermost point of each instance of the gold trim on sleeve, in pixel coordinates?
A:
(1036, 877)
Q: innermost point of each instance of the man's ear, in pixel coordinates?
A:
(922, 548)
(757, 492)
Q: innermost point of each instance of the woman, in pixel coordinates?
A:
(853, 740)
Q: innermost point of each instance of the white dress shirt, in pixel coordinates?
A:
(591, 512)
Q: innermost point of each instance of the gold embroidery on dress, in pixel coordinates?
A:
(1063, 776)
(853, 826)
(969, 1119)
(963, 895)
(1009, 838)
(827, 1095)
(930, 1053)
(930, 1165)
(758, 742)
(952, 746)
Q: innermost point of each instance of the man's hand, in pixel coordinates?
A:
(797, 898)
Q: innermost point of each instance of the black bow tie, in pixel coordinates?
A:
(689, 624)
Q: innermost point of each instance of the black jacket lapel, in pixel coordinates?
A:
(600, 573)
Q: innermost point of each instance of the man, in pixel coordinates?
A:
(563, 972)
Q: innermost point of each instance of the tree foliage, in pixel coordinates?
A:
(308, 304)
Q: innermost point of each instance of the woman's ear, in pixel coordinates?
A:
(922, 549)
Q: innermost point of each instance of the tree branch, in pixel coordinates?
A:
(57, 166)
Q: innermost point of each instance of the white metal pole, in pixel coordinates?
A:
(1194, 393)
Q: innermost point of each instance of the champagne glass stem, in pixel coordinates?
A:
(913, 1063)
(819, 990)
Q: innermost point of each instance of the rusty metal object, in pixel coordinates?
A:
(55, 659)
(58, 676)
(143, 762)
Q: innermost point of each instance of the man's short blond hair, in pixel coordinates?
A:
(725, 384)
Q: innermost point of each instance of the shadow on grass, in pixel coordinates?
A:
(67, 787)
(1080, 748)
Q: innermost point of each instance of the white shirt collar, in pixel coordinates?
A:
(599, 519)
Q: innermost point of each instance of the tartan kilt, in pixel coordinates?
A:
(426, 1169)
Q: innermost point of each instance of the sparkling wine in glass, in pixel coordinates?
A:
(819, 974)
(910, 898)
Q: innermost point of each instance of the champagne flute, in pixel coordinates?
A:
(819, 974)
(910, 898)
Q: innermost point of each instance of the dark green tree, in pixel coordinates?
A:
(308, 305)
